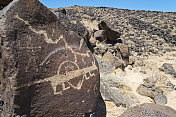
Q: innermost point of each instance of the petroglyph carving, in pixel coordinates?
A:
(72, 70)
(61, 79)
(40, 32)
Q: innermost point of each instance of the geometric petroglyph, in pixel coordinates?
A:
(61, 79)
(71, 68)
(40, 32)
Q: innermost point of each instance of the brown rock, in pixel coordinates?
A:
(100, 35)
(124, 51)
(72, 24)
(153, 92)
(113, 60)
(48, 71)
(149, 110)
(112, 35)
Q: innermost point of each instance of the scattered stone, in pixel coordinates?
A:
(124, 50)
(149, 83)
(136, 61)
(115, 95)
(98, 50)
(48, 71)
(160, 99)
(149, 110)
(115, 61)
(168, 68)
(154, 93)
(143, 71)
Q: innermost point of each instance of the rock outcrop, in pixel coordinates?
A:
(155, 93)
(146, 32)
(47, 70)
(168, 68)
(112, 35)
(149, 110)
(139, 42)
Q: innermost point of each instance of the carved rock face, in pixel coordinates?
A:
(48, 70)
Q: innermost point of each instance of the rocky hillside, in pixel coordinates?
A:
(86, 61)
(136, 51)
(144, 31)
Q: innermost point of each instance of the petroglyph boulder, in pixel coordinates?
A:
(47, 70)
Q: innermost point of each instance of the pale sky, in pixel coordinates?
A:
(152, 5)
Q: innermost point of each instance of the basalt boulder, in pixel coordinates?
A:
(47, 70)
(168, 68)
(149, 110)
(112, 36)
(100, 35)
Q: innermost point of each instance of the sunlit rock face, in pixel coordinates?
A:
(46, 69)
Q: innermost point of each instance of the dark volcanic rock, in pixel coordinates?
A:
(115, 95)
(100, 35)
(47, 70)
(112, 35)
(168, 68)
(154, 93)
(149, 110)
(72, 24)
(4, 3)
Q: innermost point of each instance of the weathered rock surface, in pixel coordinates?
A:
(112, 35)
(113, 60)
(124, 51)
(47, 70)
(114, 95)
(155, 93)
(168, 68)
(72, 24)
(149, 110)
(146, 32)
(100, 35)
(4, 3)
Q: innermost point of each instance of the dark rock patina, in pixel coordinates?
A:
(72, 24)
(4, 3)
(47, 70)
(168, 68)
(112, 35)
(149, 110)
